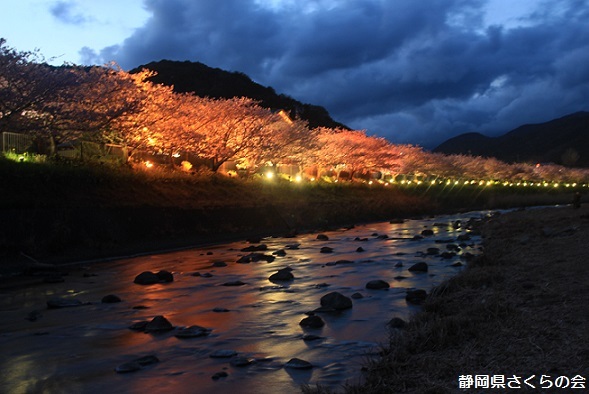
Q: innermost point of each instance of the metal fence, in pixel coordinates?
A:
(15, 142)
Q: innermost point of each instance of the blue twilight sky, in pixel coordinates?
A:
(413, 71)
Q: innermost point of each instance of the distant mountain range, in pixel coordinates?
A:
(561, 141)
(206, 81)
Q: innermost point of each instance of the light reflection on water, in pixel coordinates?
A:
(77, 349)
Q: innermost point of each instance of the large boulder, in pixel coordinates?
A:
(335, 301)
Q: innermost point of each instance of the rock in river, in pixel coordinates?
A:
(157, 324)
(419, 267)
(397, 322)
(136, 364)
(192, 332)
(234, 283)
(223, 353)
(55, 303)
(284, 274)
(313, 321)
(377, 284)
(297, 363)
(241, 361)
(150, 278)
(416, 296)
(110, 299)
(336, 301)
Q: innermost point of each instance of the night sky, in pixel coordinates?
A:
(412, 71)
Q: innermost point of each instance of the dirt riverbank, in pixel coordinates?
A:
(517, 317)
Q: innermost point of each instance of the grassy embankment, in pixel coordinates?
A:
(59, 213)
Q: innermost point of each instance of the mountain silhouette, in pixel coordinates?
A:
(205, 81)
(562, 141)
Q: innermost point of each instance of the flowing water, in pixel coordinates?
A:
(76, 349)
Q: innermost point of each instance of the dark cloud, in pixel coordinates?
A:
(65, 12)
(413, 71)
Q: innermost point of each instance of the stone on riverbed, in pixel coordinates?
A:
(255, 257)
(254, 248)
(416, 296)
(297, 363)
(219, 375)
(335, 301)
(165, 276)
(397, 322)
(55, 303)
(419, 267)
(158, 324)
(110, 299)
(284, 274)
(192, 332)
(136, 364)
(241, 361)
(311, 337)
(234, 283)
(377, 284)
(223, 353)
(313, 321)
(150, 278)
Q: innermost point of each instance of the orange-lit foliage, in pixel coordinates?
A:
(167, 122)
(233, 128)
(61, 103)
(353, 151)
(106, 104)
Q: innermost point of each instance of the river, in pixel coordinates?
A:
(77, 349)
